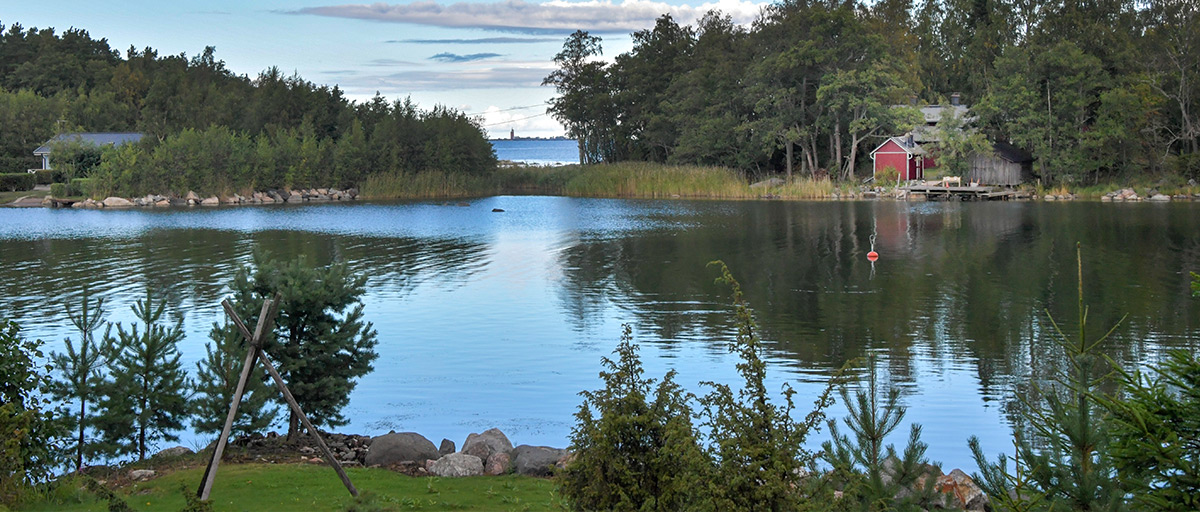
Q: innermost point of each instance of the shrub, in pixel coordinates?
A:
(59, 189)
(44, 176)
(29, 428)
(17, 181)
(634, 454)
(761, 461)
(80, 187)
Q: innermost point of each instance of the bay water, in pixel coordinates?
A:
(499, 319)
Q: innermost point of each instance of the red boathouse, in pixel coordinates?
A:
(904, 155)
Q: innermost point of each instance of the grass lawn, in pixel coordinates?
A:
(269, 487)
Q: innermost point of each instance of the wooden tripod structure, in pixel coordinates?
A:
(266, 321)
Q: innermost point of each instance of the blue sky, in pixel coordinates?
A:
(484, 57)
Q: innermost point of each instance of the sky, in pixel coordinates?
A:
(483, 57)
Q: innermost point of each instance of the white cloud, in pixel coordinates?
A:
(554, 16)
(443, 79)
(533, 122)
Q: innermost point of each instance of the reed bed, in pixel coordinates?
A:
(626, 179)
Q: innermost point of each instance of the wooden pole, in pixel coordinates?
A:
(265, 317)
(287, 395)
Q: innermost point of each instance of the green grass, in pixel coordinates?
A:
(255, 487)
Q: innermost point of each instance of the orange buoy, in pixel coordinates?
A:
(872, 256)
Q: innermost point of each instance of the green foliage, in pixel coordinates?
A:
(1155, 430)
(874, 476)
(82, 369)
(1195, 284)
(758, 447)
(1063, 459)
(216, 381)
(29, 427)
(957, 144)
(44, 176)
(58, 189)
(17, 181)
(81, 187)
(74, 158)
(146, 396)
(321, 343)
(634, 452)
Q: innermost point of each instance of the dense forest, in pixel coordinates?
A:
(209, 128)
(1096, 90)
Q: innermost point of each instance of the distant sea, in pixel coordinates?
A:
(538, 152)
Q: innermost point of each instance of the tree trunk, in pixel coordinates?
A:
(789, 160)
(293, 426)
(82, 415)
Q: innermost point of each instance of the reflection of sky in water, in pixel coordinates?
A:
(499, 319)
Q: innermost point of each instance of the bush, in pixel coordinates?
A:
(17, 181)
(634, 454)
(58, 189)
(44, 176)
(28, 445)
(80, 187)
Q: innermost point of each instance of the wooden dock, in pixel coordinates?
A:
(941, 192)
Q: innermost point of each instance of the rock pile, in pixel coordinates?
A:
(486, 453)
(193, 199)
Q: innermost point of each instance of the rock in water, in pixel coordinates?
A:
(484, 445)
(457, 465)
(396, 447)
(536, 460)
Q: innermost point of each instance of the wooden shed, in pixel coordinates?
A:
(1007, 166)
(904, 155)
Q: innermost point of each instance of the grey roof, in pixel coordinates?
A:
(96, 139)
(934, 113)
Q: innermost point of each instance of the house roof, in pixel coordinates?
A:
(934, 113)
(96, 139)
(912, 149)
(1011, 153)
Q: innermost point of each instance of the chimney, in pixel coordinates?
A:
(912, 100)
(955, 99)
(910, 140)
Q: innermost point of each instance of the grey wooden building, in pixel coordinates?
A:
(1007, 166)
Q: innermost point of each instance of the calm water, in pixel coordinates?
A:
(500, 319)
(538, 152)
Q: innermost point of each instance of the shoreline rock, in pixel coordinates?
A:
(271, 196)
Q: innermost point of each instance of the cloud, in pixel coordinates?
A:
(482, 40)
(391, 62)
(430, 79)
(453, 57)
(554, 16)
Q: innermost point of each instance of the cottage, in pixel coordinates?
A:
(904, 155)
(94, 139)
(1008, 166)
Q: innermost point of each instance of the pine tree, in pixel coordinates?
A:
(1062, 460)
(146, 396)
(320, 343)
(81, 369)
(874, 475)
(217, 378)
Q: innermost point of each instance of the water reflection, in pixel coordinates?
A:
(499, 319)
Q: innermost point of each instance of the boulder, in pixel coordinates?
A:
(447, 447)
(484, 445)
(163, 203)
(456, 465)
(210, 201)
(1050, 197)
(138, 475)
(117, 202)
(967, 495)
(192, 196)
(175, 451)
(497, 464)
(397, 447)
(536, 460)
(1160, 198)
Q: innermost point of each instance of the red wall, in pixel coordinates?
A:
(892, 154)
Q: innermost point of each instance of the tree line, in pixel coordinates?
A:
(1095, 90)
(272, 130)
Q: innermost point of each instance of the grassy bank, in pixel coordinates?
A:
(629, 179)
(317, 488)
